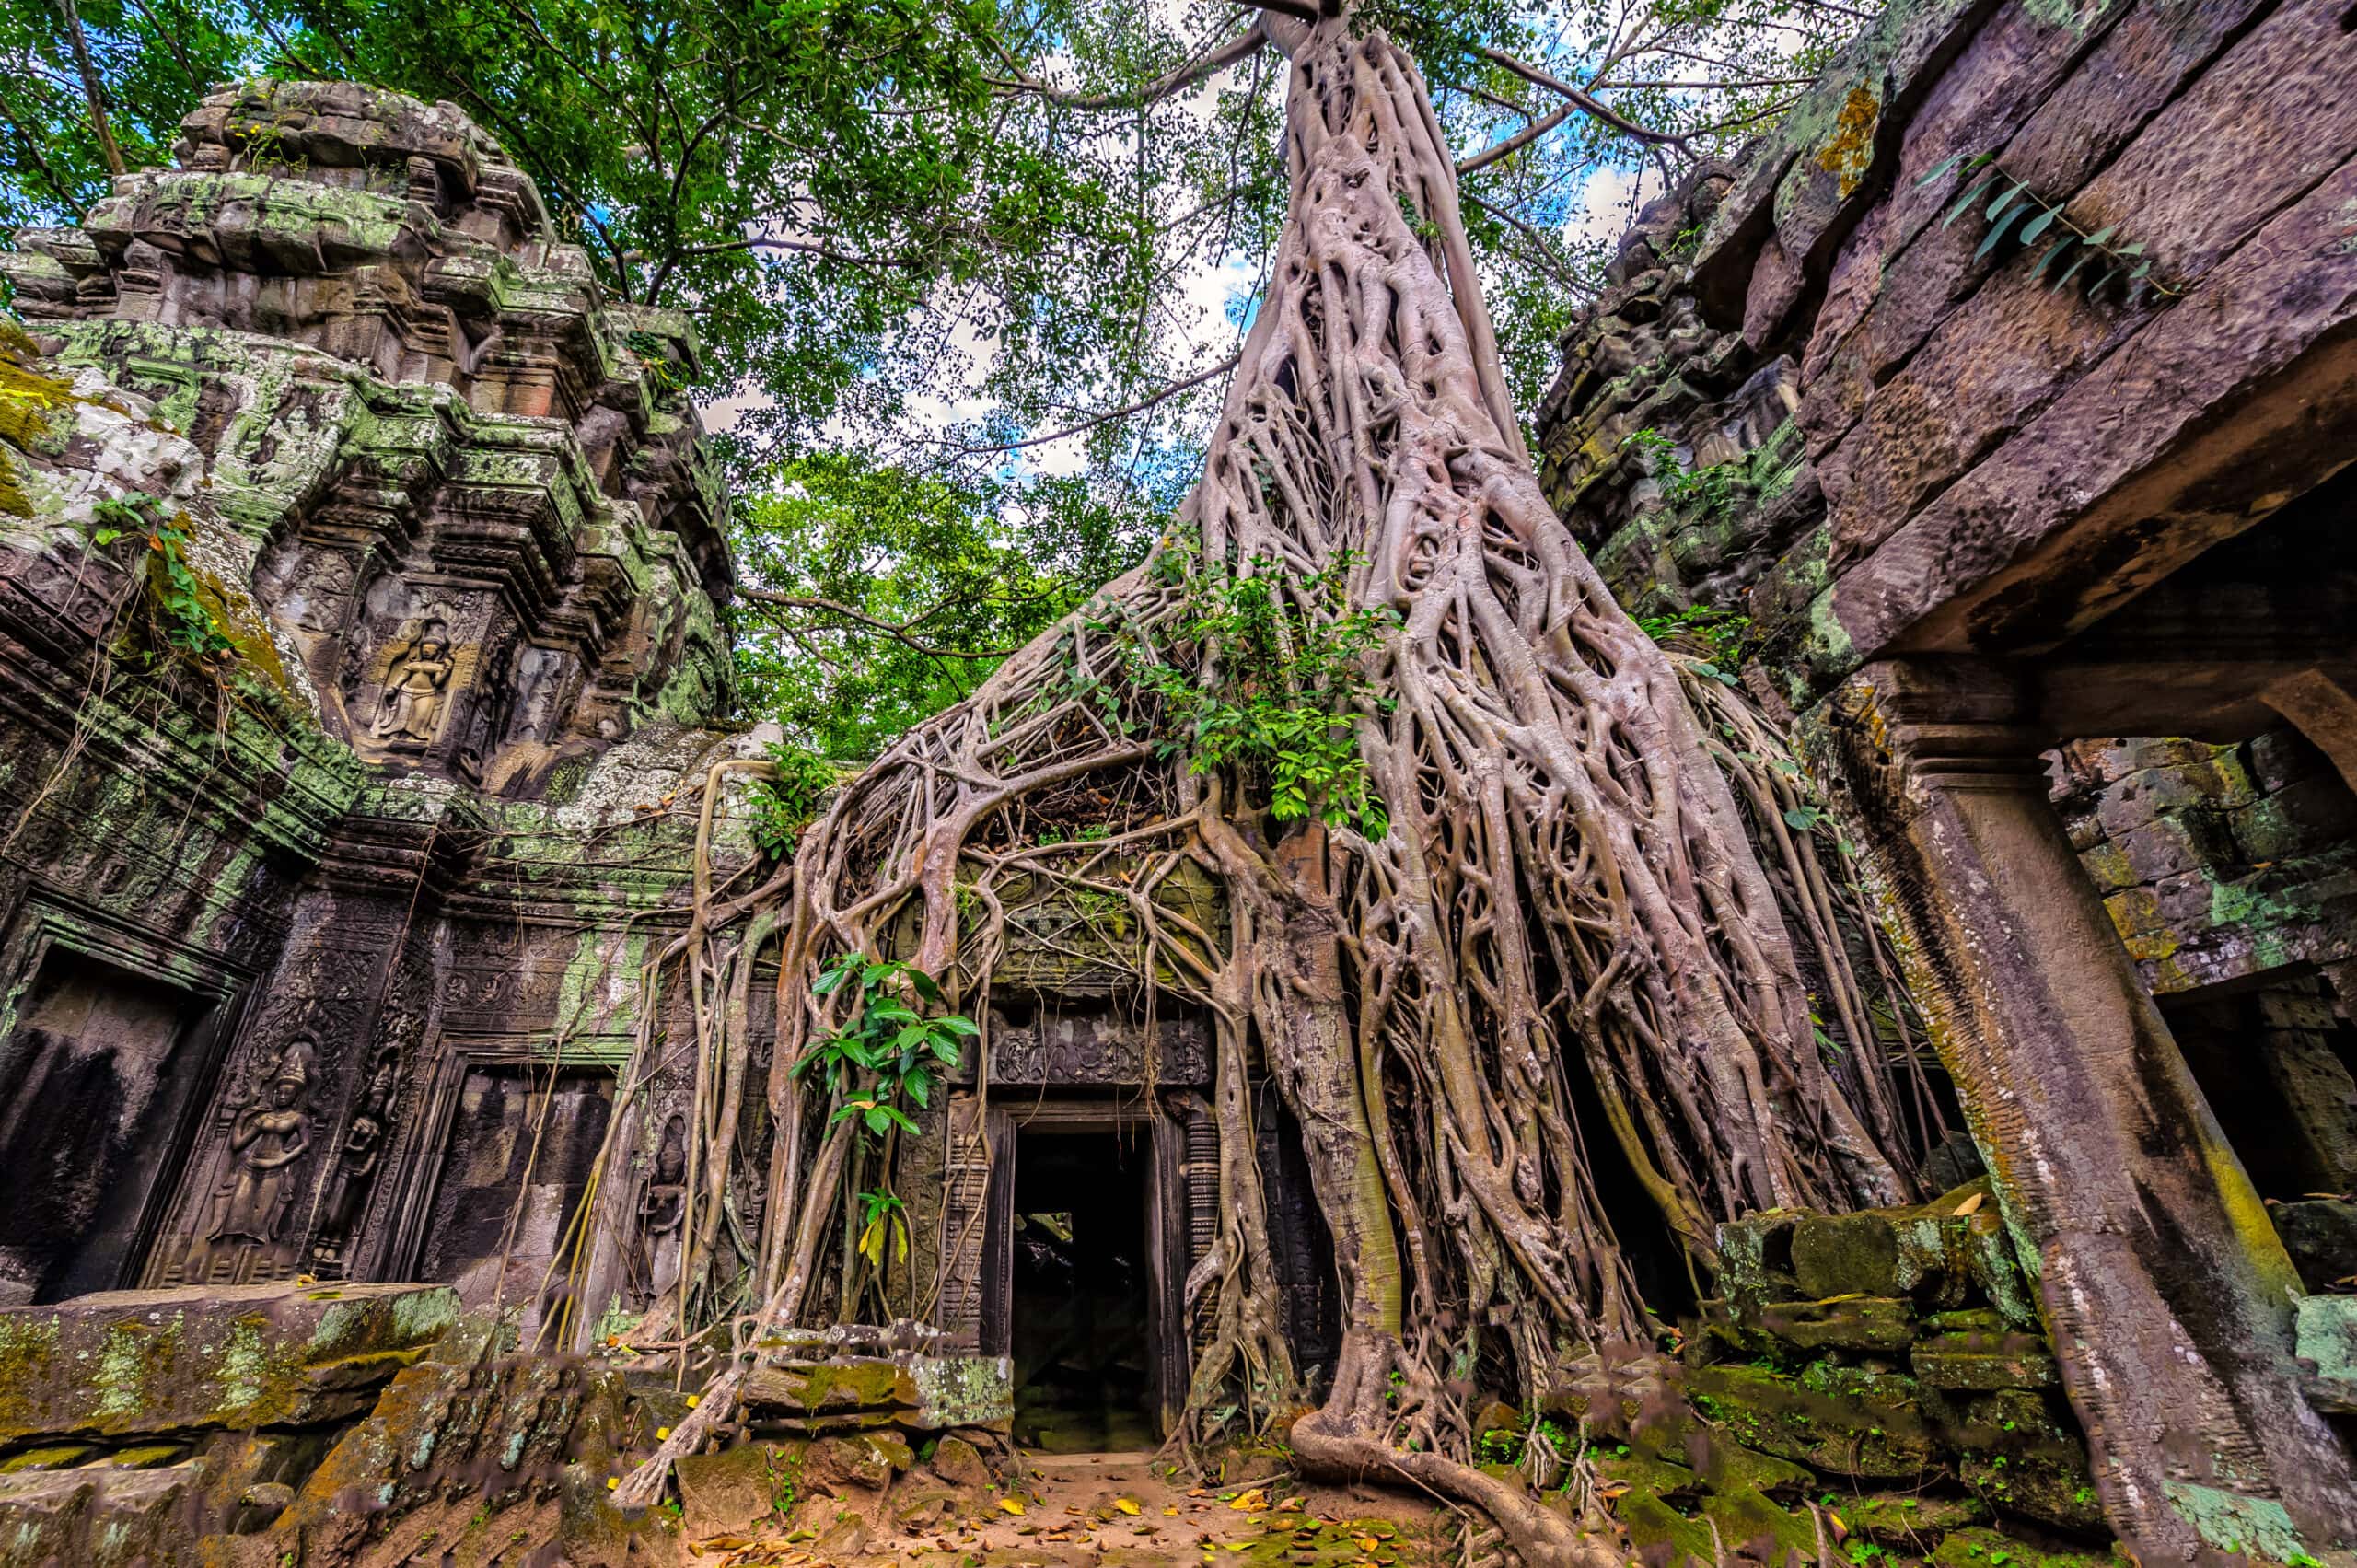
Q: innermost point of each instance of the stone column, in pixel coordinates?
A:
(2168, 1296)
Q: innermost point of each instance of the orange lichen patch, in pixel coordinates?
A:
(1850, 147)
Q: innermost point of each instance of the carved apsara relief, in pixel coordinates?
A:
(415, 687)
(249, 1237)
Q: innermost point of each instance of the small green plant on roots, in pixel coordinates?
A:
(889, 1053)
(885, 1228)
(1257, 682)
(784, 802)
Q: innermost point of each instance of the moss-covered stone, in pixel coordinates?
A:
(159, 1360)
(1981, 1548)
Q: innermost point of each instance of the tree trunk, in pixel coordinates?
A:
(1563, 888)
(93, 90)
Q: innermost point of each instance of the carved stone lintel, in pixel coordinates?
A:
(1094, 1048)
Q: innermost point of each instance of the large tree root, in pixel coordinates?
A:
(1564, 895)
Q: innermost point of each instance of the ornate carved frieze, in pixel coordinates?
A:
(1095, 1047)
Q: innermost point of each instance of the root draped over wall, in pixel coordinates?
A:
(1566, 890)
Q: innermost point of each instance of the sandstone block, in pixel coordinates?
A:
(126, 1362)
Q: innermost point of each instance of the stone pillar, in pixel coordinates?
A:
(2168, 1296)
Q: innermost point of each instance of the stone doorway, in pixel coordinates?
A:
(1082, 1266)
(102, 1080)
(516, 1141)
(1081, 1327)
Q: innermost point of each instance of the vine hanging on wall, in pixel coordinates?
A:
(2012, 207)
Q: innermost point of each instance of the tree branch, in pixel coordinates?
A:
(1241, 47)
(1547, 257)
(1516, 141)
(800, 247)
(1579, 98)
(1092, 421)
(896, 631)
(91, 89)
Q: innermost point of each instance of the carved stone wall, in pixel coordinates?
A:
(1967, 525)
(386, 847)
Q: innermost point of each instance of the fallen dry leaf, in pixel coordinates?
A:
(1125, 1505)
(1012, 1506)
(1971, 1205)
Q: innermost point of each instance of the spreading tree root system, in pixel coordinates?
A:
(1549, 880)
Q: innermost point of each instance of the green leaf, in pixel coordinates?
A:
(2084, 257)
(1996, 232)
(2004, 203)
(2046, 258)
(2039, 225)
(956, 1024)
(2106, 232)
(1941, 168)
(1964, 202)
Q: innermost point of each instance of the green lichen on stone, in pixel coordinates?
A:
(964, 1390)
(2232, 1522)
(243, 1364)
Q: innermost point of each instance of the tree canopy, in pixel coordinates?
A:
(985, 244)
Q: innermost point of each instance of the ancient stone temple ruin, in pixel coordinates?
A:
(2056, 582)
(366, 736)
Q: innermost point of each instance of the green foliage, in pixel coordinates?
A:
(1712, 491)
(883, 1226)
(154, 60)
(964, 572)
(785, 804)
(888, 1053)
(181, 619)
(783, 1466)
(1266, 675)
(1722, 634)
(2014, 211)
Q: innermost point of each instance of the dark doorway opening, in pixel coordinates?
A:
(521, 1149)
(2274, 1063)
(96, 1088)
(1081, 1327)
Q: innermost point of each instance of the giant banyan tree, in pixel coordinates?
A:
(1520, 868)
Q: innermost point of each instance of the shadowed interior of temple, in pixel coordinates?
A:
(1083, 1369)
(520, 1156)
(94, 1087)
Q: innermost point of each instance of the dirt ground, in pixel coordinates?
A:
(1114, 1510)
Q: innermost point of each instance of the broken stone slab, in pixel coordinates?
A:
(2325, 1341)
(918, 1392)
(1978, 1350)
(1844, 1322)
(123, 1363)
(101, 1518)
(1940, 1367)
